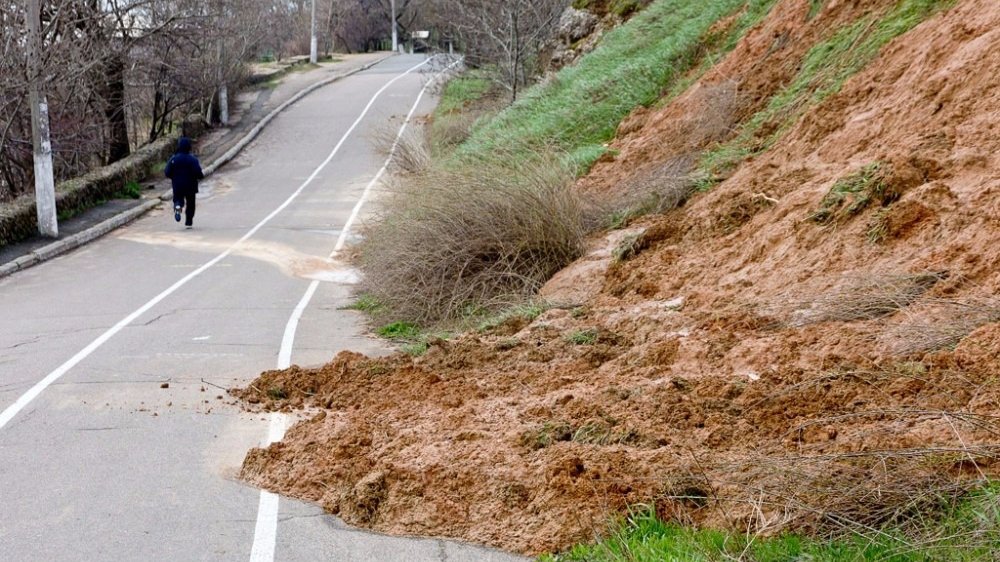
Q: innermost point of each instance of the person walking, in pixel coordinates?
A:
(184, 171)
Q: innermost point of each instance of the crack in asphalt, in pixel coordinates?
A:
(157, 318)
(287, 518)
(35, 339)
(80, 383)
(54, 334)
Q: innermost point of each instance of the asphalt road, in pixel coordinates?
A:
(97, 461)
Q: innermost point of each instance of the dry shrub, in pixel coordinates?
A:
(719, 105)
(863, 297)
(449, 131)
(409, 151)
(938, 324)
(670, 184)
(475, 238)
(662, 189)
(825, 495)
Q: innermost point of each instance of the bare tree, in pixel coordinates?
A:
(118, 73)
(503, 38)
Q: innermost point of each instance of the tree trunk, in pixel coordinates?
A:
(118, 142)
(154, 128)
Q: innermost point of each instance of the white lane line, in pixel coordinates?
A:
(33, 393)
(266, 530)
(288, 341)
(265, 533)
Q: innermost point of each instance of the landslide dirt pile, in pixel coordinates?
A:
(813, 344)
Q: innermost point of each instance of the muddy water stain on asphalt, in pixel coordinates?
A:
(289, 260)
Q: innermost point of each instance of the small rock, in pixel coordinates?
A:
(674, 304)
(575, 25)
(165, 385)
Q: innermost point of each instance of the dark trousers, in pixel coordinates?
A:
(186, 201)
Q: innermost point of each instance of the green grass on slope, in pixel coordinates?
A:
(969, 532)
(578, 110)
(465, 101)
(462, 90)
(825, 69)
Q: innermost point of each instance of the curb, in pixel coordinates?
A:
(60, 247)
(54, 249)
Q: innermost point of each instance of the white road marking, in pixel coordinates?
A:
(288, 341)
(265, 533)
(266, 529)
(33, 393)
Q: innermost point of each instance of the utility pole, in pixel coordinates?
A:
(45, 190)
(220, 70)
(312, 38)
(395, 32)
(223, 88)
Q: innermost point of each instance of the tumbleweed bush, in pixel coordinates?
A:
(475, 238)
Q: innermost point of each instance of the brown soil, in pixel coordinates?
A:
(736, 371)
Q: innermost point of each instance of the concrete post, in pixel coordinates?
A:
(45, 191)
(223, 89)
(312, 37)
(395, 31)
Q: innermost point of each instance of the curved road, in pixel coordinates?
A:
(116, 440)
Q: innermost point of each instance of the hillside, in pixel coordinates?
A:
(807, 338)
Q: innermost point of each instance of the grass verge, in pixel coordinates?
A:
(462, 91)
(968, 531)
(466, 100)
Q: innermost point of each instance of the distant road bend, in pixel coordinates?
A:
(117, 440)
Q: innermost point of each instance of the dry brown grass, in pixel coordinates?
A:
(937, 324)
(720, 106)
(839, 492)
(862, 297)
(823, 495)
(479, 238)
(409, 150)
(924, 324)
(661, 189)
(669, 185)
(449, 131)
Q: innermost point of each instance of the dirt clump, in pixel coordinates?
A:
(742, 365)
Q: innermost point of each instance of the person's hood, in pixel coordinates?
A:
(184, 145)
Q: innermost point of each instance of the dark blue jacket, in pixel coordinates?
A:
(183, 169)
